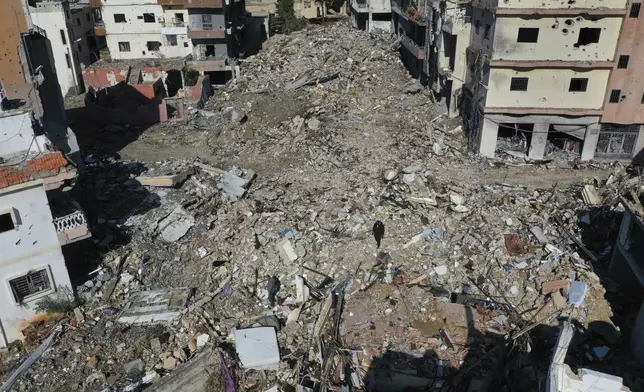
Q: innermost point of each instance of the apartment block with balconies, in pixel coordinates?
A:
(215, 29)
(208, 33)
(539, 70)
(410, 21)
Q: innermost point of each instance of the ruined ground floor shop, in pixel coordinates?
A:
(539, 136)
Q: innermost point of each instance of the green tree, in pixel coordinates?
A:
(285, 21)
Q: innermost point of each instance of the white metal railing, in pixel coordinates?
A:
(71, 221)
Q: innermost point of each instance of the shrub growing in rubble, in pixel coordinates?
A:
(62, 301)
(285, 21)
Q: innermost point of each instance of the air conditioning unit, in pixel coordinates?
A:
(160, 19)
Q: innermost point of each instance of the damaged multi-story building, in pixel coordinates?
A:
(39, 162)
(540, 71)
(208, 33)
(370, 14)
(409, 21)
(540, 76)
(69, 26)
(623, 113)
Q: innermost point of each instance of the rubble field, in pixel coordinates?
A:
(259, 212)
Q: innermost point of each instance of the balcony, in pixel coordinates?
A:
(71, 228)
(412, 47)
(173, 23)
(408, 10)
(206, 34)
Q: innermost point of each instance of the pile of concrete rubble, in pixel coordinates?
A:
(253, 266)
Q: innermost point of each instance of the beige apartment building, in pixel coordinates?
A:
(539, 70)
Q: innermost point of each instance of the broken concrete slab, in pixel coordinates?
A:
(233, 186)
(539, 235)
(202, 340)
(554, 285)
(167, 181)
(590, 195)
(561, 378)
(286, 251)
(170, 363)
(174, 226)
(190, 376)
(134, 368)
(389, 174)
(257, 348)
(152, 307)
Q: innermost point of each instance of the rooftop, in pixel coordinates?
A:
(53, 166)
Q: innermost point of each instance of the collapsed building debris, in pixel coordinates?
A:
(561, 378)
(476, 268)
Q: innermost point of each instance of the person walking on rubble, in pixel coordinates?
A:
(378, 232)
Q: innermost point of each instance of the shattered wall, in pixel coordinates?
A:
(98, 78)
(134, 30)
(557, 38)
(152, 91)
(54, 118)
(126, 104)
(152, 74)
(198, 94)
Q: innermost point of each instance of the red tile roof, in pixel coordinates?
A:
(44, 166)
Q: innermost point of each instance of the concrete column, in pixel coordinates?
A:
(538, 141)
(452, 110)
(590, 142)
(489, 133)
(369, 28)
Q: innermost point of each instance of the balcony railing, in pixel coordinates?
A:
(71, 228)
